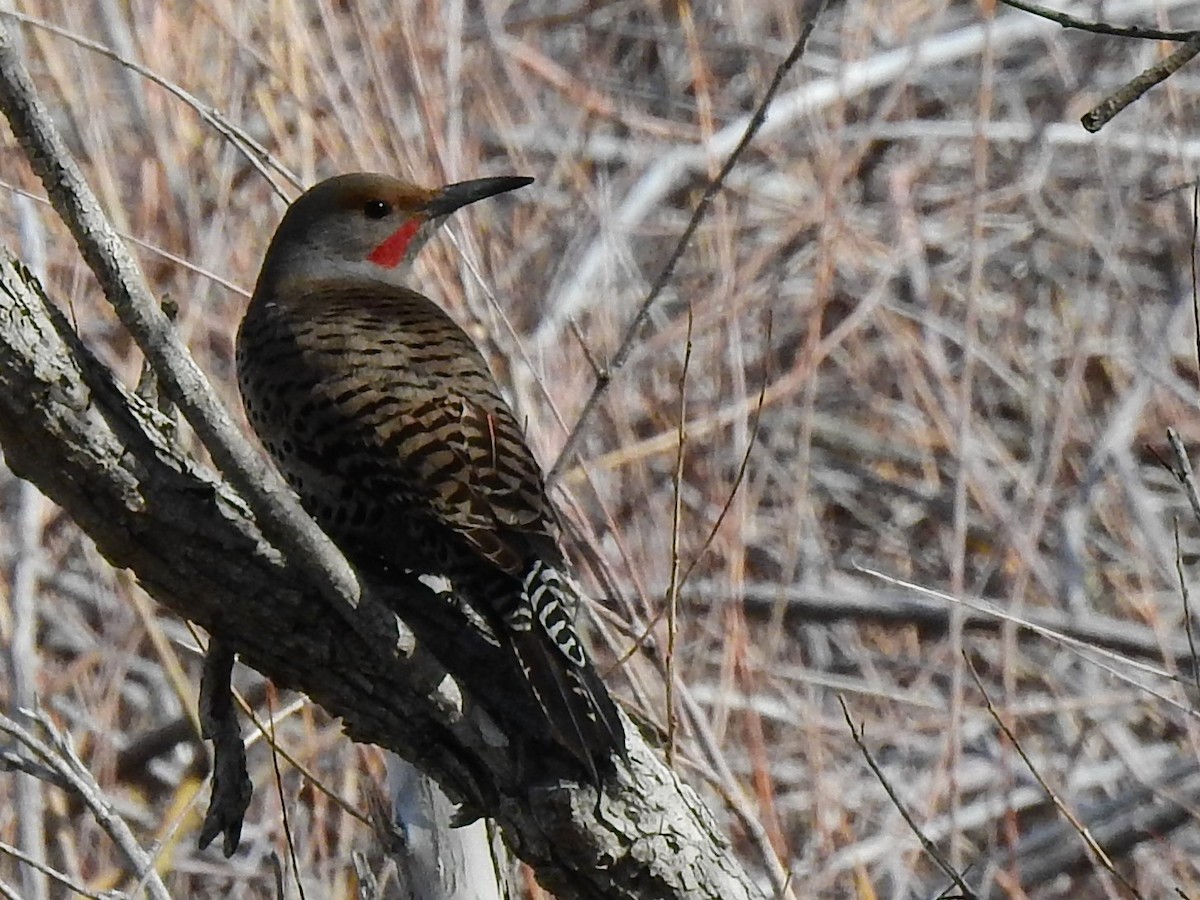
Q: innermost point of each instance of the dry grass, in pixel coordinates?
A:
(969, 321)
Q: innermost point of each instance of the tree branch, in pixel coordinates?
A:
(276, 508)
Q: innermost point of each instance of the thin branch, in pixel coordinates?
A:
(283, 800)
(1100, 115)
(856, 733)
(254, 152)
(278, 511)
(173, 258)
(57, 754)
(676, 515)
(741, 472)
(1187, 607)
(1079, 826)
(1127, 31)
(1195, 275)
(54, 874)
(1144, 814)
(266, 731)
(633, 332)
(1182, 470)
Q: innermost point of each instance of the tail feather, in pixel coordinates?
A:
(574, 699)
(578, 706)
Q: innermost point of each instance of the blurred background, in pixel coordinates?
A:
(932, 332)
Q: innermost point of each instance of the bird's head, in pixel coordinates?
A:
(365, 226)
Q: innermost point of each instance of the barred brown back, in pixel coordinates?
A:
(385, 419)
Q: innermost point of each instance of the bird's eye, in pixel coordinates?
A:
(377, 209)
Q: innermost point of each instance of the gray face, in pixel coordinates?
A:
(356, 227)
(365, 226)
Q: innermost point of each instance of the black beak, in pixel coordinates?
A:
(455, 196)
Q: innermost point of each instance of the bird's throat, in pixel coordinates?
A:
(391, 252)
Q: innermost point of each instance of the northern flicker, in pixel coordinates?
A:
(384, 417)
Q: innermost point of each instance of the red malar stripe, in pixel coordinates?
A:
(391, 252)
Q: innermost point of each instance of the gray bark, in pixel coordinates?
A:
(436, 860)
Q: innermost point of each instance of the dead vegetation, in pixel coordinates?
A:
(937, 331)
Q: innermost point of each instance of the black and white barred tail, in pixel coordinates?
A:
(554, 600)
(563, 680)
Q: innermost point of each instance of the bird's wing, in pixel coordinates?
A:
(439, 426)
(499, 506)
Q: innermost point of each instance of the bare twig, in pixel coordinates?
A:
(49, 871)
(676, 516)
(737, 478)
(1144, 813)
(56, 753)
(277, 509)
(1100, 115)
(1079, 826)
(283, 801)
(173, 258)
(1066, 20)
(633, 332)
(1186, 595)
(1182, 470)
(1195, 275)
(255, 153)
(856, 732)
(265, 731)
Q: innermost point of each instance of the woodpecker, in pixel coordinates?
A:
(383, 416)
